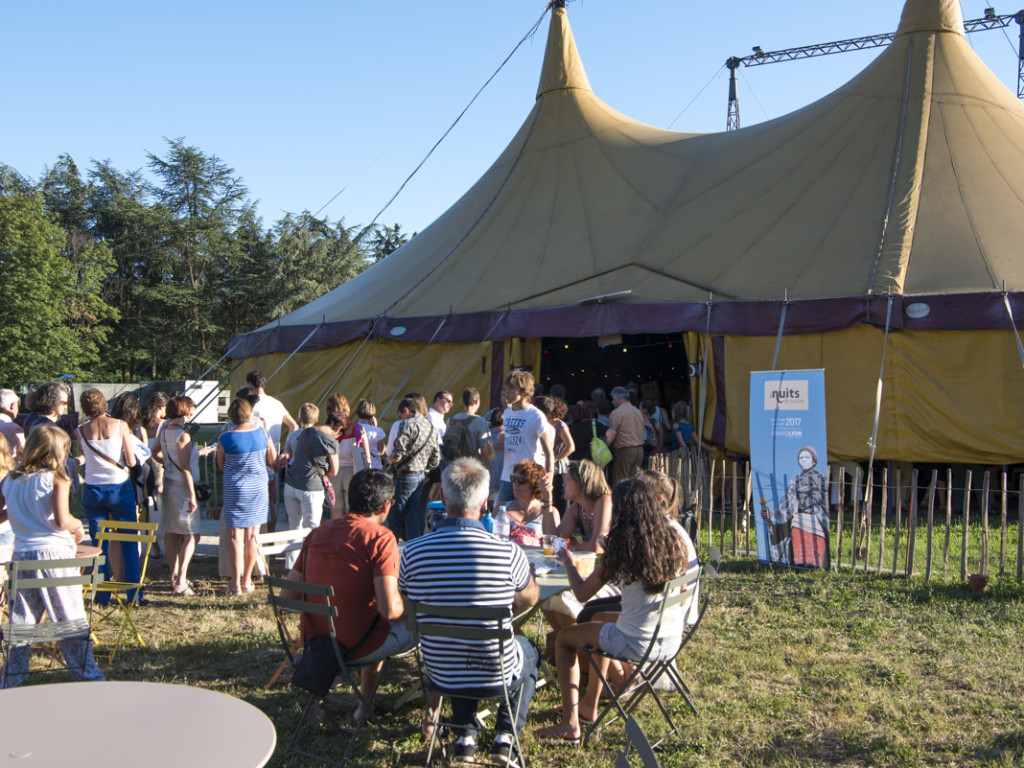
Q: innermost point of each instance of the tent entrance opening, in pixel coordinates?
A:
(656, 362)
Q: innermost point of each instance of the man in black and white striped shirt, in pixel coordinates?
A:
(461, 564)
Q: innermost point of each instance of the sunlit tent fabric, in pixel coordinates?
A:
(889, 215)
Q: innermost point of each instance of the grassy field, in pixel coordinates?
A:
(789, 669)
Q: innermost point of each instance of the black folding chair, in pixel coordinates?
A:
(315, 599)
(640, 682)
(493, 624)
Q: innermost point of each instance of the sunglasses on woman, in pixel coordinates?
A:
(520, 480)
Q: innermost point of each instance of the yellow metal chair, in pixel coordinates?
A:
(124, 595)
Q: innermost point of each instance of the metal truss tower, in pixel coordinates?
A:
(989, 21)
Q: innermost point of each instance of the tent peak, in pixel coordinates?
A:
(931, 16)
(563, 69)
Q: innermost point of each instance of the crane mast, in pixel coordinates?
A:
(990, 20)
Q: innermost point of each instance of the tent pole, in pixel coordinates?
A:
(878, 391)
(782, 324)
(704, 388)
(342, 373)
(412, 367)
(1009, 311)
(295, 351)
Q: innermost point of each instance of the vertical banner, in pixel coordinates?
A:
(789, 462)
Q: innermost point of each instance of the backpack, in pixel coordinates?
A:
(457, 442)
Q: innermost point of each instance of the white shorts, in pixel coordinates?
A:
(616, 643)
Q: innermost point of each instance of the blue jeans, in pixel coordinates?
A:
(404, 518)
(113, 502)
(520, 694)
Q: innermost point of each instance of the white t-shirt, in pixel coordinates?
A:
(437, 419)
(271, 411)
(374, 435)
(523, 429)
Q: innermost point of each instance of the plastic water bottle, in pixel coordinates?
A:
(502, 526)
(488, 521)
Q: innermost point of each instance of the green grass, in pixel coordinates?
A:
(789, 669)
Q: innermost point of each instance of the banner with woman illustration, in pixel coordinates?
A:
(789, 467)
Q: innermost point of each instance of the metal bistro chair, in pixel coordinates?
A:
(279, 543)
(668, 668)
(434, 626)
(315, 599)
(12, 634)
(637, 740)
(640, 683)
(125, 595)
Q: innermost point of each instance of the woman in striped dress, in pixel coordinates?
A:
(243, 455)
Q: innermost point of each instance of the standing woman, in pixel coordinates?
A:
(314, 456)
(108, 493)
(178, 500)
(554, 410)
(339, 427)
(243, 455)
(153, 421)
(36, 497)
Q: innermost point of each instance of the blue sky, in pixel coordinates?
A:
(307, 97)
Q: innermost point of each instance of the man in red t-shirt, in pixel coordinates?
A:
(358, 556)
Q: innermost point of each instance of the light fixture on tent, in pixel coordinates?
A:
(917, 310)
(398, 330)
(604, 298)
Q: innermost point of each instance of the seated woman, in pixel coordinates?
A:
(587, 520)
(527, 512)
(643, 551)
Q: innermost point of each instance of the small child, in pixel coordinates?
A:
(36, 495)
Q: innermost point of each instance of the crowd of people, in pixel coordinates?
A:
(361, 490)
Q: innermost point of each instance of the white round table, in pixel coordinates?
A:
(129, 724)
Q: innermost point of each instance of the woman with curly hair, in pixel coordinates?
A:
(642, 552)
(530, 512)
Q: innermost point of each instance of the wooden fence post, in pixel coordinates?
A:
(931, 519)
(839, 516)
(984, 524)
(1003, 503)
(748, 502)
(898, 506)
(1020, 527)
(949, 522)
(966, 521)
(735, 508)
(912, 525)
(881, 535)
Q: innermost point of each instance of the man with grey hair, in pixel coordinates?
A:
(14, 434)
(461, 564)
(625, 436)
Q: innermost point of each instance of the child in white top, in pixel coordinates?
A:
(36, 497)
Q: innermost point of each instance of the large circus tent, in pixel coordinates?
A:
(876, 233)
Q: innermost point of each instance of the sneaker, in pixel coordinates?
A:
(463, 753)
(504, 753)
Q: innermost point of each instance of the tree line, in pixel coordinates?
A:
(126, 275)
